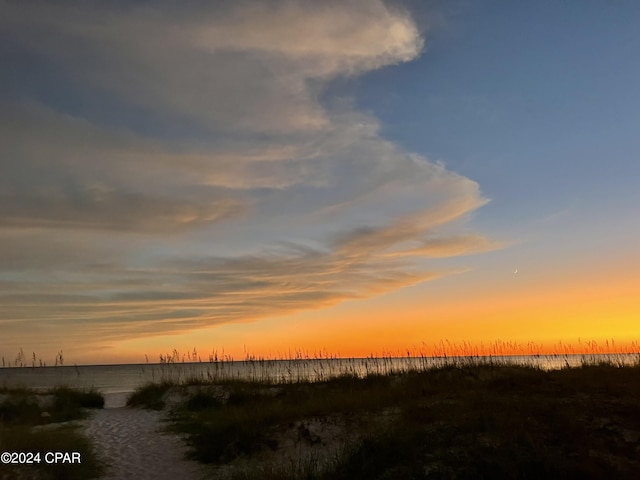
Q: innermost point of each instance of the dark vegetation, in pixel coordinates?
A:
(475, 421)
(150, 396)
(39, 422)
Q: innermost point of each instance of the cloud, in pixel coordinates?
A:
(249, 66)
(31, 249)
(101, 207)
(168, 167)
(181, 294)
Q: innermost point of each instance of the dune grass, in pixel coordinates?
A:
(150, 395)
(508, 423)
(65, 438)
(38, 422)
(60, 404)
(454, 422)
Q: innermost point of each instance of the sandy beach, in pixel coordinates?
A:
(132, 444)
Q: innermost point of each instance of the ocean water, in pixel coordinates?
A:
(123, 379)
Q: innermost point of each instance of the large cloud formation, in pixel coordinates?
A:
(168, 166)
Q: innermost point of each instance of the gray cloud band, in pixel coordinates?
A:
(156, 198)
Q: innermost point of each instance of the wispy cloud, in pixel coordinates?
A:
(174, 167)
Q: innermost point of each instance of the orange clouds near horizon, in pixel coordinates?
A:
(587, 318)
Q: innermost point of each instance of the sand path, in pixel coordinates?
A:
(132, 444)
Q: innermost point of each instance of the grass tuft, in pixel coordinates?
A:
(61, 404)
(66, 438)
(23, 415)
(150, 396)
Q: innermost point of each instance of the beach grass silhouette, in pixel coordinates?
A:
(464, 417)
(407, 415)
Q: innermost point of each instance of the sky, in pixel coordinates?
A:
(320, 178)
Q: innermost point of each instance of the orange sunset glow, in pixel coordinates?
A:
(357, 179)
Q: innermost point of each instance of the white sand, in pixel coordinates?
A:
(132, 444)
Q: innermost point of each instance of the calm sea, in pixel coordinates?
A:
(115, 381)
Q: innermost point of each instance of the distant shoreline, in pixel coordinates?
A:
(250, 359)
